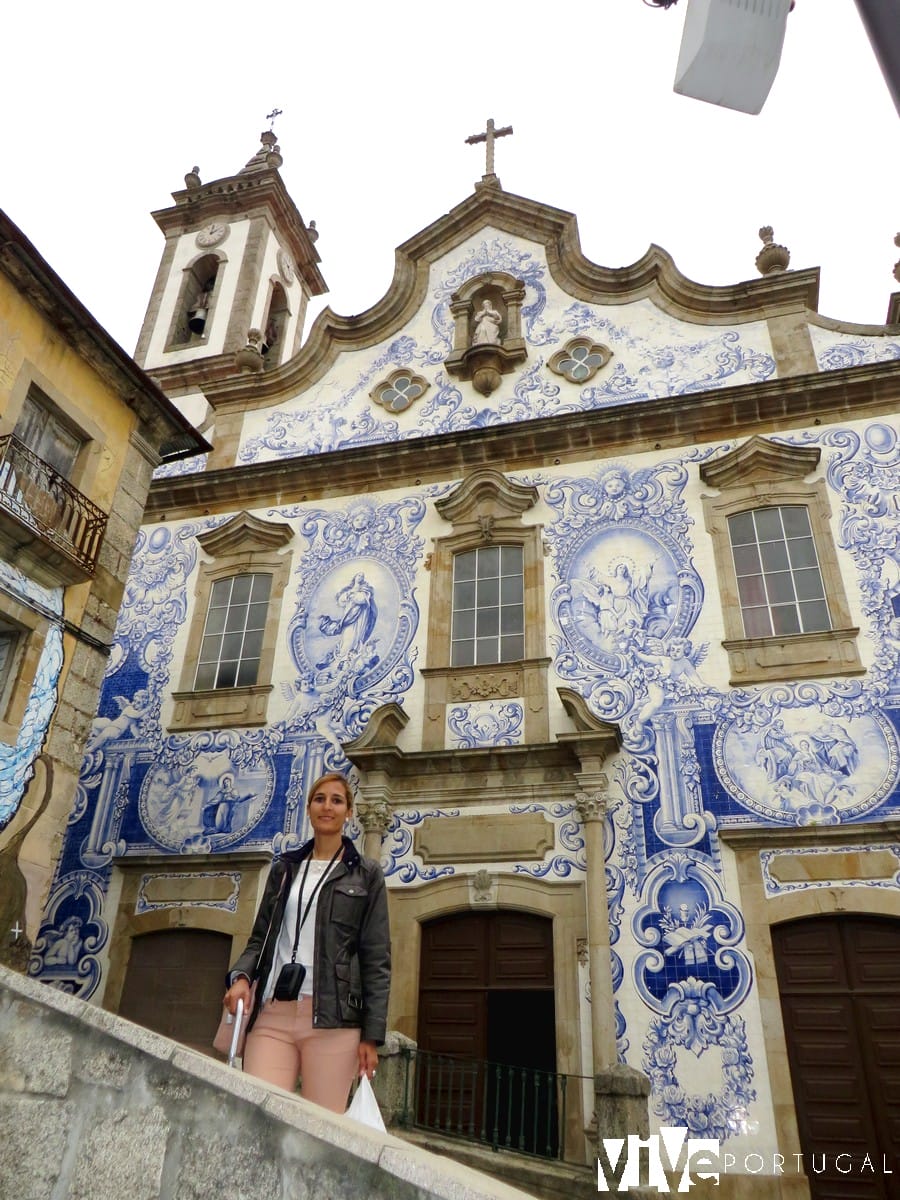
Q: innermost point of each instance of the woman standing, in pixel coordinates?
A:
(320, 949)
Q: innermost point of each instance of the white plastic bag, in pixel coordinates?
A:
(364, 1107)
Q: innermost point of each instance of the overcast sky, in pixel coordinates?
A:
(106, 106)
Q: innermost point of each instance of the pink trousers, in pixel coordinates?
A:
(282, 1047)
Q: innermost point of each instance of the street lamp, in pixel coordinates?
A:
(730, 49)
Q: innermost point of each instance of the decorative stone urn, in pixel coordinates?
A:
(250, 357)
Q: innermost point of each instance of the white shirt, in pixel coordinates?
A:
(306, 947)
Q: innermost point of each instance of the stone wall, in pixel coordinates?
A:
(93, 1107)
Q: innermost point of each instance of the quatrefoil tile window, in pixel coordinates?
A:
(400, 390)
(580, 359)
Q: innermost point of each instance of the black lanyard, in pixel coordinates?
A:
(301, 920)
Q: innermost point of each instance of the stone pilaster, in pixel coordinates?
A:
(591, 809)
(374, 814)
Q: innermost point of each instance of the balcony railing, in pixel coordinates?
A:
(69, 525)
(507, 1108)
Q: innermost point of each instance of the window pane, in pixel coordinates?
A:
(220, 592)
(512, 589)
(757, 623)
(796, 521)
(227, 676)
(252, 647)
(486, 650)
(746, 560)
(256, 616)
(464, 565)
(463, 654)
(240, 588)
(262, 586)
(815, 617)
(215, 622)
(774, 556)
(802, 552)
(768, 524)
(236, 619)
(488, 622)
(809, 584)
(231, 646)
(785, 619)
(512, 618)
(488, 561)
(247, 671)
(741, 529)
(780, 587)
(206, 677)
(511, 560)
(464, 624)
(488, 592)
(464, 595)
(512, 648)
(751, 590)
(211, 649)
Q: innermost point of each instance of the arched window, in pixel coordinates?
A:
(193, 312)
(229, 659)
(234, 630)
(784, 607)
(488, 606)
(275, 323)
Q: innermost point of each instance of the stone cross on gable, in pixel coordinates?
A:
(489, 135)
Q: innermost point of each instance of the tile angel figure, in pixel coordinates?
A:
(109, 729)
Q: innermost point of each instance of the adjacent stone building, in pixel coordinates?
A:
(82, 428)
(591, 578)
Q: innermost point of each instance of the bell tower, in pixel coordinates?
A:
(237, 271)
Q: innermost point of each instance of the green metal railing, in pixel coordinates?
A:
(501, 1106)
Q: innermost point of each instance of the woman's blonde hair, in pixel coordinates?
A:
(332, 777)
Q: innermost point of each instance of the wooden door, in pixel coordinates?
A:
(839, 979)
(175, 983)
(486, 995)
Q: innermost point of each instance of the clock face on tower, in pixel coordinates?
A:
(212, 234)
(286, 266)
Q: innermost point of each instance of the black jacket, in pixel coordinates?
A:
(353, 942)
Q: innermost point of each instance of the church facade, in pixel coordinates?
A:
(591, 579)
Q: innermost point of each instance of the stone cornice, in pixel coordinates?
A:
(737, 412)
(461, 768)
(654, 275)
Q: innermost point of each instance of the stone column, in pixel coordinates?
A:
(620, 1092)
(591, 809)
(374, 814)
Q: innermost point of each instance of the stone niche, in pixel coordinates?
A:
(487, 330)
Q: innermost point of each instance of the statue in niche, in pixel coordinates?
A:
(487, 323)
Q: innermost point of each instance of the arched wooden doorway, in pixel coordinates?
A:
(839, 979)
(486, 994)
(175, 982)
